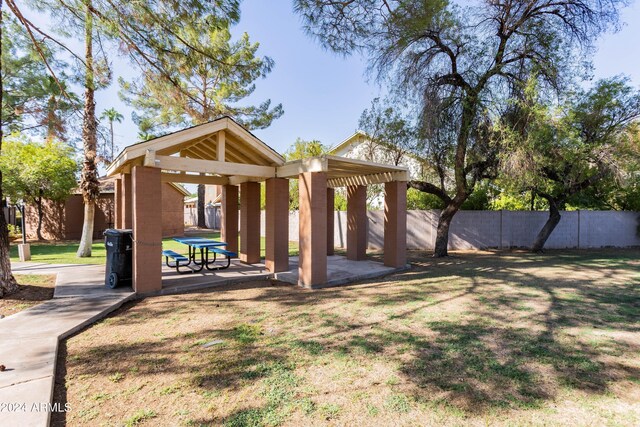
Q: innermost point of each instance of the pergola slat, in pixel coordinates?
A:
(379, 178)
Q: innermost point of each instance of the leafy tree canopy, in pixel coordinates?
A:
(34, 170)
(32, 99)
(588, 141)
(301, 149)
(199, 91)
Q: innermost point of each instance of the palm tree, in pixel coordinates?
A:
(112, 115)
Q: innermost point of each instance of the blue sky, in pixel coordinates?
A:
(323, 94)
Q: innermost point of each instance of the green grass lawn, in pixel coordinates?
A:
(474, 339)
(61, 253)
(65, 252)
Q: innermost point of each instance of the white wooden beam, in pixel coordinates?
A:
(194, 179)
(221, 146)
(378, 178)
(239, 179)
(182, 164)
(296, 167)
(150, 159)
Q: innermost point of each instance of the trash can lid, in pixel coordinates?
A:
(116, 232)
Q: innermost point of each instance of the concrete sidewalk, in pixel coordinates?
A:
(29, 340)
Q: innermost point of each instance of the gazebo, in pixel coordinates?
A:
(224, 153)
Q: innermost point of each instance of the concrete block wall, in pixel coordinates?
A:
(521, 227)
(473, 230)
(497, 229)
(190, 216)
(609, 229)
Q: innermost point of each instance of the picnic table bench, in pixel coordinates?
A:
(204, 247)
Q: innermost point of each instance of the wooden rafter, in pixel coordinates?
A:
(241, 156)
(199, 151)
(245, 150)
(208, 149)
(378, 178)
(255, 143)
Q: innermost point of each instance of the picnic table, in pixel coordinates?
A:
(196, 245)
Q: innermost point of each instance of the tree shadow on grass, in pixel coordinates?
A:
(480, 367)
(481, 362)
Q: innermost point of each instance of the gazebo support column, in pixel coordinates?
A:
(395, 224)
(147, 230)
(331, 196)
(126, 208)
(277, 225)
(117, 203)
(229, 217)
(312, 269)
(250, 222)
(357, 222)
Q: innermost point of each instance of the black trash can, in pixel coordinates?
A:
(119, 245)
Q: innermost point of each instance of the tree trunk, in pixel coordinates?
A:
(442, 235)
(533, 200)
(462, 190)
(8, 283)
(549, 226)
(89, 178)
(111, 127)
(201, 194)
(39, 207)
(87, 230)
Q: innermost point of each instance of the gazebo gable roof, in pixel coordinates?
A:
(222, 140)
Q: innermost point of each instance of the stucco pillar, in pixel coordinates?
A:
(117, 203)
(277, 225)
(250, 222)
(312, 268)
(229, 217)
(127, 201)
(331, 196)
(357, 222)
(395, 224)
(147, 229)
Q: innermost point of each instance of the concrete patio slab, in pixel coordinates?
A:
(173, 282)
(340, 271)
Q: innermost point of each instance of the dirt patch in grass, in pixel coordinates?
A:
(33, 289)
(474, 339)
